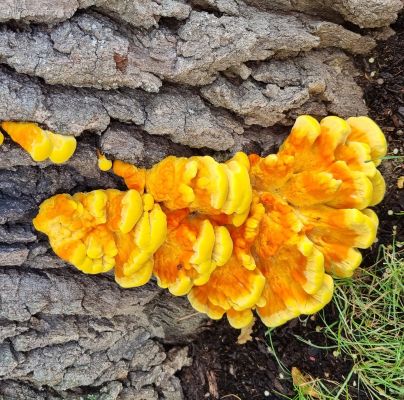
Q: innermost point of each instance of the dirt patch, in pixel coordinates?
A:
(222, 369)
(250, 371)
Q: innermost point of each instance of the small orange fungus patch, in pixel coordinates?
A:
(39, 143)
(254, 233)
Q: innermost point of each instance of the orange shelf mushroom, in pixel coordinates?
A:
(105, 229)
(265, 234)
(39, 143)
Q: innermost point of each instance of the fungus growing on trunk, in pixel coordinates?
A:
(105, 229)
(253, 233)
(103, 163)
(39, 143)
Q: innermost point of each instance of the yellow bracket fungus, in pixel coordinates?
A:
(39, 143)
(105, 229)
(265, 234)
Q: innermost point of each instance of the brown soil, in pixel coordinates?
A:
(222, 369)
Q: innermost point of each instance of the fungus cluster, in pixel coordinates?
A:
(105, 229)
(39, 143)
(253, 233)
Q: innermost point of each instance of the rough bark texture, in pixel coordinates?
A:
(141, 79)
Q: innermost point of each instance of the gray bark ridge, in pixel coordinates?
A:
(140, 80)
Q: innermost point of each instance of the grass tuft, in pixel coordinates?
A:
(370, 330)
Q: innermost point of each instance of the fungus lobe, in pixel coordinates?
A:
(39, 143)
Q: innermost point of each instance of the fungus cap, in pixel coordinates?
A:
(103, 163)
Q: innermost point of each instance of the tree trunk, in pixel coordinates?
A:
(139, 80)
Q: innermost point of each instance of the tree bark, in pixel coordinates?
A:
(140, 80)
